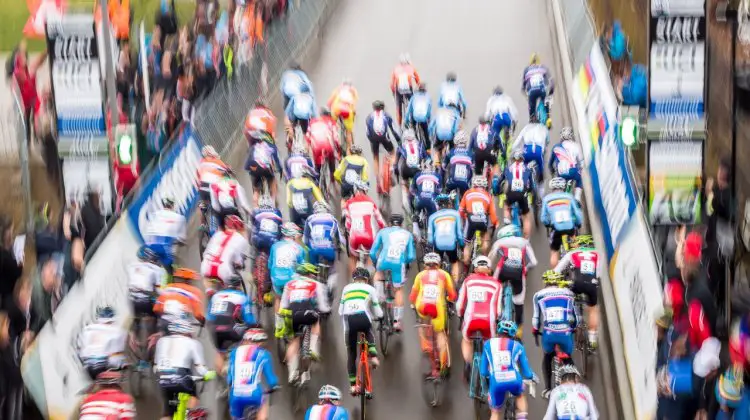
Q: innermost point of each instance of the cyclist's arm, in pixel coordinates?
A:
(598, 266)
(577, 212)
(267, 368)
(493, 251)
(377, 310)
(593, 412)
(409, 110)
(341, 302)
(513, 109)
(365, 170)
(376, 247)
(526, 371)
(289, 108)
(247, 313)
(564, 263)
(322, 299)
(276, 157)
(462, 206)
(461, 301)
(430, 231)
(416, 288)
(545, 216)
(199, 361)
(551, 413)
(393, 81)
(340, 170)
(284, 304)
(411, 250)
(394, 130)
(493, 212)
(306, 80)
(552, 161)
(306, 233)
(484, 364)
(535, 322)
(242, 198)
(530, 255)
(379, 218)
(462, 98)
(450, 288)
(316, 193)
(460, 232)
(209, 315)
(230, 369)
(417, 79)
(573, 310)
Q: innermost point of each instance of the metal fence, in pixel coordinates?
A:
(579, 29)
(11, 124)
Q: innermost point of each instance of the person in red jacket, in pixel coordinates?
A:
(359, 212)
(108, 401)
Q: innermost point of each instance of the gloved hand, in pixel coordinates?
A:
(210, 375)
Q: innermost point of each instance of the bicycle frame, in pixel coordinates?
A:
(508, 308)
(476, 247)
(385, 329)
(363, 382)
(433, 351)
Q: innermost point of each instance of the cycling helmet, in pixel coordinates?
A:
(356, 150)
(346, 82)
(484, 119)
(404, 58)
(265, 201)
(180, 326)
(255, 335)
(479, 181)
(396, 219)
(481, 261)
(362, 186)
(729, 389)
(233, 222)
(517, 155)
(498, 90)
(507, 327)
(461, 139)
(290, 230)
(145, 253)
(105, 314)
(444, 200)
(534, 118)
(186, 274)
(299, 150)
(567, 370)
(451, 77)
(557, 183)
(566, 134)
(534, 59)
(325, 111)
(209, 151)
(584, 241)
(321, 207)
(431, 258)
(378, 105)
(329, 392)
(307, 269)
(550, 277)
(167, 202)
(509, 231)
(304, 88)
(361, 273)
(408, 135)
(234, 280)
(422, 87)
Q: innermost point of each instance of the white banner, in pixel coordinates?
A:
(81, 174)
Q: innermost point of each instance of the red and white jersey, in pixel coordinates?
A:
(302, 289)
(210, 170)
(360, 211)
(480, 298)
(108, 404)
(224, 252)
(584, 263)
(322, 137)
(228, 194)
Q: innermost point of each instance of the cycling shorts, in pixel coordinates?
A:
(258, 174)
(278, 286)
(263, 242)
(457, 184)
(483, 157)
(573, 174)
(514, 275)
(347, 191)
(142, 303)
(515, 197)
(473, 226)
(328, 254)
(226, 335)
(407, 172)
(364, 240)
(238, 405)
(398, 272)
(452, 254)
(588, 286)
(346, 114)
(498, 390)
(376, 141)
(501, 121)
(426, 203)
(321, 151)
(172, 384)
(475, 325)
(298, 218)
(534, 153)
(303, 313)
(564, 340)
(556, 238)
(436, 313)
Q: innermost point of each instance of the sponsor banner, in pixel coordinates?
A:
(80, 175)
(678, 7)
(175, 176)
(55, 352)
(675, 177)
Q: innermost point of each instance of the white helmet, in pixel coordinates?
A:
(329, 392)
(566, 134)
(404, 58)
(481, 261)
(557, 183)
(461, 139)
(209, 151)
(479, 181)
(431, 258)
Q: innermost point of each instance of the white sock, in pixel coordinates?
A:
(578, 194)
(279, 322)
(293, 365)
(315, 343)
(381, 290)
(398, 312)
(592, 336)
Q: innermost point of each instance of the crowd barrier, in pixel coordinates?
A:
(632, 284)
(51, 369)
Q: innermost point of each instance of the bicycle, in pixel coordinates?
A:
(209, 226)
(363, 383)
(476, 244)
(509, 310)
(385, 325)
(262, 282)
(433, 378)
(541, 110)
(362, 255)
(251, 413)
(326, 184)
(299, 388)
(141, 369)
(510, 400)
(581, 335)
(535, 202)
(384, 187)
(342, 135)
(478, 384)
(182, 412)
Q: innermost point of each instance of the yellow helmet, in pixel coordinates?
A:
(534, 59)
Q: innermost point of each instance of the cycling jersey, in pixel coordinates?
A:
(404, 78)
(504, 361)
(584, 263)
(282, 262)
(175, 352)
(360, 213)
(225, 255)
(478, 207)
(301, 194)
(555, 315)
(343, 103)
(301, 107)
(305, 290)
(266, 227)
(210, 170)
(379, 124)
(230, 306)
(359, 298)
(248, 365)
(444, 125)
(502, 111)
(535, 79)
(459, 163)
(565, 160)
(425, 186)
(518, 178)
(326, 412)
(561, 212)
(410, 154)
(296, 164)
(322, 137)
(451, 94)
(165, 227)
(419, 109)
(352, 168)
(429, 292)
(532, 140)
(570, 401)
(480, 305)
(321, 236)
(178, 298)
(108, 404)
(515, 257)
(263, 159)
(483, 142)
(292, 82)
(260, 120)
(102, 347)
(228, 194)
(393, 250)
(444, 230)
(145, 277)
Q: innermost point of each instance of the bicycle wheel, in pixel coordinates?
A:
(510, 312)
(362, 375)
(385, 326)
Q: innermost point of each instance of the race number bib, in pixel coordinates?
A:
(412, 161)
(562, 217)
(461, 172)
(428, 187)
(536, 81)
(164, 365)
(354, 306)
(477, 296)
(262, 156)
(226, 200)
(450, 96)
(219, 306)
(501, 360)
(482, 138)
(299, 202)
(567, 408)
(268, 225)
(516, 185)
(396, 250)
(318, 231)
(563, 167)
(258, 123)
(554, 314)
(378, 124)
(351, 176)
(403, 83)
(285, 258)
(515, 256)
(445, 228)
(588, 267)
(345, 95)
(421, 107)
(173, 307)
(243, 371)
(477, 208)
(430, 293)
(298, 295)
(358, 225)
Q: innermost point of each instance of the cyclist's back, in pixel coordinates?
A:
(322, 233)
(230, 313)
(560, 211)
(326, 412)
(301, 194)
(459, 163)
(225, 251)
(353, 168)
(532, 140)
(178, 298)
(102, 346)
(410, 153)
(480, 305)
(282, 262)
(361, 212)
(267, 222)
(165, 226)
(392, 250)
(297, 163)
(554, 314)
(108, 404)
(478, 207)
(248, 364)
(515, 256)
(504, 361)
(444, 230)
(571, 401)
(427, 184)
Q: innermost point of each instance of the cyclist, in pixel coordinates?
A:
(403, 80)
(419, 113)
(298, 162)
(166, 229)
(532, 140)
(565, 160)
(444, 231)
(145, 278)
(177, 355)
(583, 264)
(102, 344)
(458, 163)
(266, 222)
(328, 406)
(561, 213)
(351, 170)
(518, 183)
(181, 297)
(360, 212)
(226, 252)
(451, 95)
(484, 146)
(300, 110)
(323, 238)
(536, 83)
(425, 188)
(359, 302)
(303, 302)
(292, 81)
(408, 157)
(571, 399)
(502, 113)
(393, 251)
(479, 306)
(323, 140)
(555, 319)
(283, 260)
(379, 128)
(504, 361)
(443, 129)
(478, 212)
(247, 363)
(262, 161)
(301, 194)
(343, 104)
(228, 197)
(431, 288)
(108, 401)
(210, 170)
(230, 313)
(260, 122)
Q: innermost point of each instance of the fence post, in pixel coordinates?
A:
(23, 158)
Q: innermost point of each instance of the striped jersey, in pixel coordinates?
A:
(360, 298)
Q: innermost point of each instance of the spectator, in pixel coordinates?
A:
(633, 86)
(720, 233)
(11, 382)
(47, 293)
(92, 218)
(75, 248)
(10, 269)
(25, 75)
(166, 21)
(47, 236)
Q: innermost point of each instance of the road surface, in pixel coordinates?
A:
(486, 43)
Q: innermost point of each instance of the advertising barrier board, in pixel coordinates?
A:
(675, 177)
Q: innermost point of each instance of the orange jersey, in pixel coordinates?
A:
(477, 204)
(177, 297)
(260, 119)
(404, 78)
(210, 170)
(343, 98)
(430, 290)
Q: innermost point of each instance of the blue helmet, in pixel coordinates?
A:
(145, 253)
(508, 231)
(507, 327)
(105, 314)
(443, 199)
(304, 88)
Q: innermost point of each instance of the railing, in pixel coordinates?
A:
(579, 29)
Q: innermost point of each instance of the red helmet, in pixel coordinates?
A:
(233, 222)
(693, 247)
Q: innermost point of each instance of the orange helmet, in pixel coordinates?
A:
(186, 274)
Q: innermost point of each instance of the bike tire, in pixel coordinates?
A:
(363, 392)
(384, 330)
(510, 313)
(510, 408)
(477, 387)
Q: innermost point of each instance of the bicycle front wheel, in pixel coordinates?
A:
(384, 329)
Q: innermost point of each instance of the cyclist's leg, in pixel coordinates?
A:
(455, 269)
(375, 148)
(519, 295)
(351, 330)
(526, 214)
(349, 125)
(278, 290)
(439, 324)
(292, 350)
(548, 348)
(496, 399)
(592, 310)
(522, 407)
(399, 101)
(555, 244)
(486, 238)
(398, 275)
(272, 185)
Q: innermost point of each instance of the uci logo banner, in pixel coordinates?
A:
(174, 176)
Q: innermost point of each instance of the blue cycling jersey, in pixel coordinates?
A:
(224, 304)
(327, 412)
(561, 212)
(266, 227)
(412, 152)
(419, 109)
(393, 247)
(554, 311)
(535, 78)
(249, 364)
(297, 163)
(460, 162)
(264, 155)
(451, 94)
(301, 107)
(292, 82)
(285, 255)
(427, 184)
(445, 124)
(504, 361)
(482, 138)
(444, 230)
(378, 124)
(518, 176)
(322, 232)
